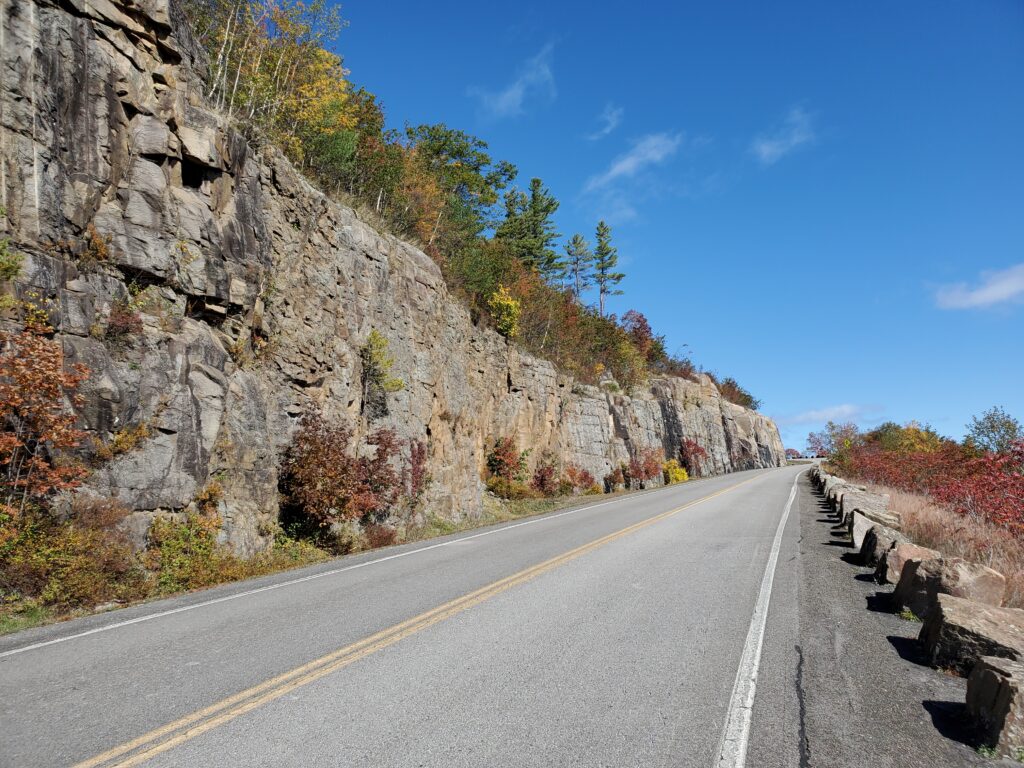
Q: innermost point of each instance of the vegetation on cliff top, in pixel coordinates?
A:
(496, 243)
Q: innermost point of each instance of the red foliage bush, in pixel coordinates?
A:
(506, 461)
(380, 535)
(545, 478)
(578, 478)
(644, 466)
(990, 487)
(124, 322)
(330, 484)
(418, 477)
(37, 430)
(614, 479)
(692, 456)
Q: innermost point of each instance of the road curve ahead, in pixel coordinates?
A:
(625, 633)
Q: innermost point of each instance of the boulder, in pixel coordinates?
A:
(878, 541)
(860, 523)
(958, 632)
(995, 703)
(922, 580)
(890, 567)
(874, 505)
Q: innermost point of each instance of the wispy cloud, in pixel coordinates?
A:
(994, 287)
(844, 412)
(535, 79)
(610, 119)
(795, 131)
(652, 149)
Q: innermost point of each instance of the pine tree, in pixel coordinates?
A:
(529, 231)
(606, 258)
(579, 264)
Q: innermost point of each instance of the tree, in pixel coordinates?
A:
(639, 330)
(606, 258)
(529, 230)
(994, 430)
(835, 440)
(579, 264)
(469, 180)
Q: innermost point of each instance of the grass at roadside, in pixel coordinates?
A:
(189, 569)
(971, 538)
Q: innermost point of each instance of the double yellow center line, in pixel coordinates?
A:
(173, 734)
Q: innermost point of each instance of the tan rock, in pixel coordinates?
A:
(959, 632)
(995, 703)
(890, 567)
(921, 580)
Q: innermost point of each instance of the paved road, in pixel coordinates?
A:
(624, 633)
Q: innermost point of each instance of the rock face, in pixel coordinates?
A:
(959, 632)
(922, 580)
(256, 291)
(995, 703)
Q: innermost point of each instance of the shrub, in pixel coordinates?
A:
(614, 479)
(545, 477)
(96, 249)
(506, 461)
(66, 564)
(37, 432)
(643, 467)
(10, 261)
(692, 457)
(578, 479)
(124, 440)
(378, 535)
(376, 375)
(324, 478)
(734, 393)
(505, 311)
(123, 324)
(183, 552)
(417, 471)
(510, 489)
(673, 473)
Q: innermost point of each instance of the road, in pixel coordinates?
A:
(628, 632)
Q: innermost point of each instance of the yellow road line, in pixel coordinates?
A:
(188, 727)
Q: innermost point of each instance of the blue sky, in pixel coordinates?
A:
(824, 200)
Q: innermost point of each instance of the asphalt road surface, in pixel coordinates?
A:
(690, 626)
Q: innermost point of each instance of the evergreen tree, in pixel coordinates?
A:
(579, 264)
(529, 231)
(606, 258)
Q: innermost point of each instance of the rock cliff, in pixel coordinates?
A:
(256, 291)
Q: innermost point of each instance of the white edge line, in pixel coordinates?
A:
(732, 751)
(300, 580)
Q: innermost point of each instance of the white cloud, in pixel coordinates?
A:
(610, 119)
(535, 79)
(994, 287)
(844, 412)
(650, 150)
(794, 131)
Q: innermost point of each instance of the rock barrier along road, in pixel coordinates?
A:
(655, 629)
